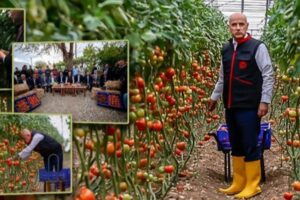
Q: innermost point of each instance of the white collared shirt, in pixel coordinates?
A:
(34, 142)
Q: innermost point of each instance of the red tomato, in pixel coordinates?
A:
(178, 152)
(284, 98)
(288, 196)
(86, 194)
(143, 162)
(23, 183)
(119, 153)
(94, 170)
(157, 125)
(110, 130)
(170, 72)
(16, 163)
(9, 162)
(141, 124)
(169, 169)
(140, 82)
(206, 137)
(162, 75)
(181, 145)
(151, 98)
(215, 117)
(5, 141)
(183, 74)
(89, 145)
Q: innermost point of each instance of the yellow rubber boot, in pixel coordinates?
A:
(239, 177)
(253, 175)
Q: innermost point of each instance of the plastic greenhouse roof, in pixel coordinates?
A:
(255, 10)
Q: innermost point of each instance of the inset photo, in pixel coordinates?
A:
(12, 30)
(86, 79)
(5, 101)
(35, 154)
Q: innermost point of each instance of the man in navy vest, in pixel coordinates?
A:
(46, 146)
(245, 81)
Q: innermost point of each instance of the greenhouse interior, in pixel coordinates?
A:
(213, 99)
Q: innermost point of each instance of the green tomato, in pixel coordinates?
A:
(151, 177)
(140, 113)
(110, 138)
(133, 164)
(132, 116)
(127, 197)
(126, 148)
(161, 169)
(146, 174)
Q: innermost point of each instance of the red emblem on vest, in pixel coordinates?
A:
(243, 65)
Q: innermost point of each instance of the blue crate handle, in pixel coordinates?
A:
(45, 175)
(223, 143)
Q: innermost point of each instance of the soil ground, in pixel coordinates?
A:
(83, 108)
(206, 175)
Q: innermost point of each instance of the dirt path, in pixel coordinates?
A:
(206, 175)
(82, 108)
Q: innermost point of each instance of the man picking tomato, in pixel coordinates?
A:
(245, 81)
(45, 145)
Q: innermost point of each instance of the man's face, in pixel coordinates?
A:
(238, 25)
(26, 135)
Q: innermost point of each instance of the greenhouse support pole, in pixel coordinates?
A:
(266, 14)
(242, 6)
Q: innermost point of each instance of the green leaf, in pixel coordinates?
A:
(149, 36)
(91, 22)
(58, 36)
(111, 3)
(134, 39)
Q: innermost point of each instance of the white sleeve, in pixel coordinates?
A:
(219, 85)
(264, 64)
(34, 142)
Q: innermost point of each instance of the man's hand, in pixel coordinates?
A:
(211, 105)
(262, 109)
(2, 54)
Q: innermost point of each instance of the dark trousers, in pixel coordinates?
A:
(244, 127)
(54, 162)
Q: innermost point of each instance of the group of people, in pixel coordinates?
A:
(38, 78)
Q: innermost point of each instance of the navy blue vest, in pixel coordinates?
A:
(47, 146)
(242, 77)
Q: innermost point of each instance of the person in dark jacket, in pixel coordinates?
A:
(60, 78)
(46, 146)
(88, 80)
(17, 17)
(69, 77)
(121, 74)
(35, 82)
(245, 82)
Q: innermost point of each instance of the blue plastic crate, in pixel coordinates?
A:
(106, 96)
(53, 176)
(22, 99)
(104, 99)
(224, 143)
